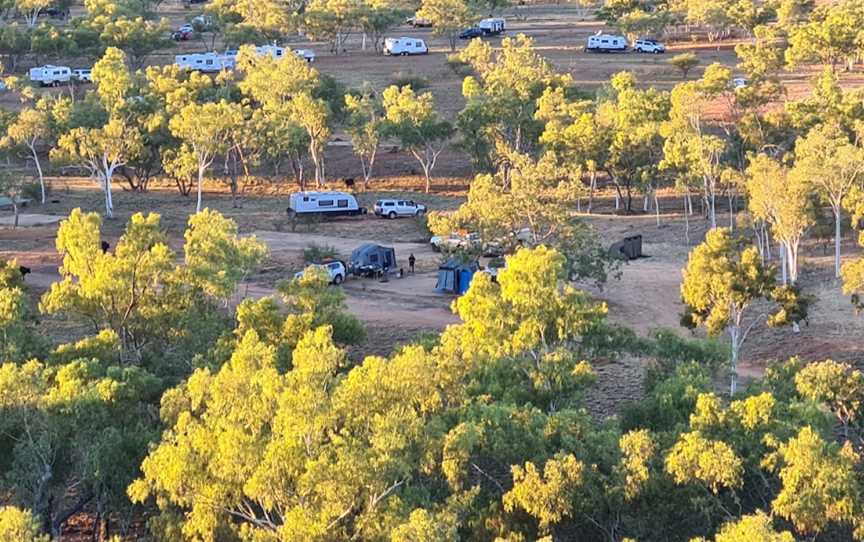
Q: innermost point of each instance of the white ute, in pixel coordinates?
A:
(405, 46)
(392, 208)
(648, 46)
(604, 43)
(50, 76)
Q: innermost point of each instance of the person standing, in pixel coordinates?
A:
(411, 260)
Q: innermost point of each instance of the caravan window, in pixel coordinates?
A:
(325, 203)
(342, 203)
(305, 198)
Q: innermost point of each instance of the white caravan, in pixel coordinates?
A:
(324, 203)
(276, 52)
(50, 76)
(493, 26)
(605, 43)
(205, 62)
(405, 46)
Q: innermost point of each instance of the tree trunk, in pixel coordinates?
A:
(39, 172)
(200, 182)
(687, 221)
(734, 334)
(14, 212)
(657, 207)
(784, 258)
(591, 188)
(837, 217)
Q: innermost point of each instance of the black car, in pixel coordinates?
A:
(470, 33)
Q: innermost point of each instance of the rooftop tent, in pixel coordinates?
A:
(455, 277)
(373, 255)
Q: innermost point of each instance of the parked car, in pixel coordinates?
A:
(648, 46)
(470, 33)
(508, 243)
(405, 46)
(417, 22)
(604, 43)
(455, 241)
(184, 33)
(392, 208)
(739, 82)
(335, 270)
(83, 75)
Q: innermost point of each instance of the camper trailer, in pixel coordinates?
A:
(370, 260)
(324, 203)
(492, 27)
(605, 43)
(205, 62)
(50, 76)
(405, 46)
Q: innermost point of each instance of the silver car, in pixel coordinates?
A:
(393, 208)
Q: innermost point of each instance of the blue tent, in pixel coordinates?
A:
(455, 277)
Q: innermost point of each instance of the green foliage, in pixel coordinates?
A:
(722, 279)
(755, 527)
(501, 96)
(411, 118)
(684, 62)
(17, 525)
(408, 79)
(315, 253)
(819, 483)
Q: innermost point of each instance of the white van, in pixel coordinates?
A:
(205, 62)
(405, 46)
(324, 203)
(604, 43)
(50, 76)
(83, 75)
(492, 27)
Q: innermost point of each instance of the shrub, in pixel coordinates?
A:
(410, 79)
(316, 253)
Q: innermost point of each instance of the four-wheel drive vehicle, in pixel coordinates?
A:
(184, 33)
(404, 46)
(455, 241)
(648, 46)
(392, 208)
(417, 22)
(335, 269)
(470, 33)
(84, 75)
